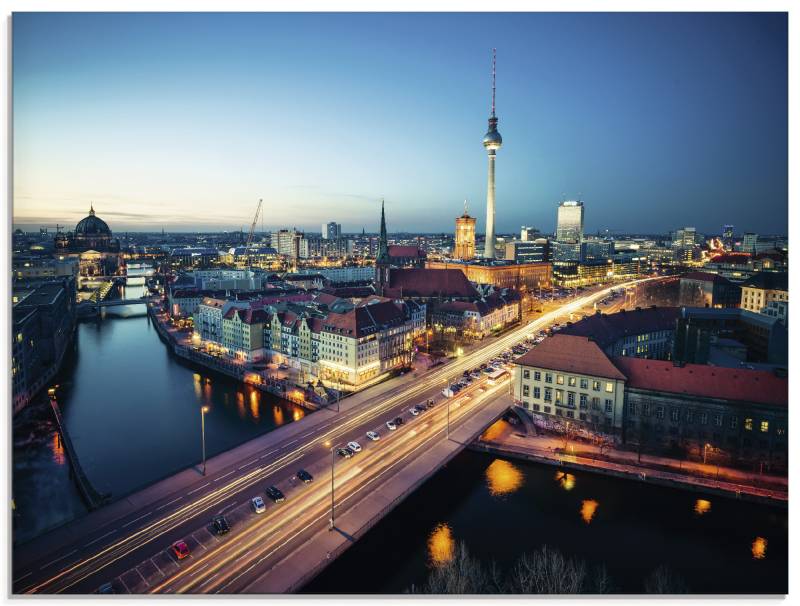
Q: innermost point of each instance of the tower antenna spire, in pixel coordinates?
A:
(494, 76)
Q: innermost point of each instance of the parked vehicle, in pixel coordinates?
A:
(398, 421)
(345, 453)
(305, 477)
(275, 494)
(354, 446)
(258, 504)
(220, 524)
(373, 436)
(180, 549)
(390, 425)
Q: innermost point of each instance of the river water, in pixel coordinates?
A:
(503, 508)
(132, 410)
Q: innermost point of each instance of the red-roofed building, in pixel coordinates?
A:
(429, 284)
(464, 321)
(406, 256)
(701, 289)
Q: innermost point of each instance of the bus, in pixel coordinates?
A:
(494, 377)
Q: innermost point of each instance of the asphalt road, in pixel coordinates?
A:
(111, 551)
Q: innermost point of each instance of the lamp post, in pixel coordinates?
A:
(333, 459)
(203, 411)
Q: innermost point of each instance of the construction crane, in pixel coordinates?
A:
(253, 224)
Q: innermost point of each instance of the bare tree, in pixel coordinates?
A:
(601, 581)
(664, 580)
(462, 574)
(547, 571)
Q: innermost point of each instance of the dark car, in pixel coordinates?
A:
(345, 452)
(398, 420)
(305, 477)
(106, 588)
(220, 524)
(275, 494)
(431, 403)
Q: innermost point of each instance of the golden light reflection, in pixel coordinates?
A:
(198, 391)
(494, 431)
(298, 414)
(441, 545)
(277, 414)
(503, 477)
(240, 404)
(59, 457)
(759, 548)
(254, 405)
(566, 480)
(588, 509)
(702, 507)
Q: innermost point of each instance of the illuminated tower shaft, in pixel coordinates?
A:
(492, 141)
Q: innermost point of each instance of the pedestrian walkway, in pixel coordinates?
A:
(554, 449)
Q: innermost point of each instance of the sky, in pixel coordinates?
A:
(184, 120)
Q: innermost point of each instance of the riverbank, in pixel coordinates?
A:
(504, 439)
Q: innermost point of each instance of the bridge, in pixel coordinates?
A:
(114, 302)
(127, 542)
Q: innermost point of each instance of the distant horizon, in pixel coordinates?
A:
(655, 120)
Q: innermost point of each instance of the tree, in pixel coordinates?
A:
(461, 574)
(547, 571)
(664, 580)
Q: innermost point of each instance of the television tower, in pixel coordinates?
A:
(492, 141)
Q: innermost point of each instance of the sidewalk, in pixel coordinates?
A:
(684, 474)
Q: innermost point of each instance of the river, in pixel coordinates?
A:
(132, 410)
(502, 508)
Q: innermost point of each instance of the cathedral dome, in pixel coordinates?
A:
(92, 226)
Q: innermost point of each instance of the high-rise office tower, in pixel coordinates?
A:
(569, 227)
(331, 231)
(465, 236)
(492, 141)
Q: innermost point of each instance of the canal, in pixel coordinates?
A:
(501, 509)
(133, 412)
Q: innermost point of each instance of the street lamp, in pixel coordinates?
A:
(203, 412)
(333, 459)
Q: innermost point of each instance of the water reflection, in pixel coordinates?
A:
(503, 477)
(197, 388)
(58, 449)
(240, 404)
(298, 414)
(254, 405)
(440, 545)
(565, 480)
(588, 509)
(702, 507)
(494, 431)
(759, 548)
(277, 415)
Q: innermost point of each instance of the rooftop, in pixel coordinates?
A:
(768, 280)
(571, 353)
(606, 329)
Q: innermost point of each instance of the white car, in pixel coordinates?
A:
(354, 446)
(414, 411)
(373, 436)
(390, 425)
(258, 505)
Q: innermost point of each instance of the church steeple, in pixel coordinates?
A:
(383, 243)
(382, 261)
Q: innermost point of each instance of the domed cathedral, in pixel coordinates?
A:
(91, 233)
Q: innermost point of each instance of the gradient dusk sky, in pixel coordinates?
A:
(185, 120)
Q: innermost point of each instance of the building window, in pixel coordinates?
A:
(559, 396)
(631, 408)
(526, 374)
(595, 385)
(703, 418)
(734, 422)
(584, 383)
(764, 426)
(674, 415)
(748, 424)
(537, 376)
(718, 420)
(560, 379)
(595, 403)
(659, 412)
(582, 416)
(548, 378)
(537, 392)
(547, 409)
(558, 412)
(571, 381)
(536, 407)
(570, 414)
(548, 395)
(525, 390)
(646, 410)
(609, 406)
(571, 399)
(583, 399)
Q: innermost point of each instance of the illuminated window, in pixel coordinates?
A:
(596, 385)
(764, 426)
(571, 381)
(748, 424)
(559, 396)
(19, 337)
(560, 379)
(609, 387)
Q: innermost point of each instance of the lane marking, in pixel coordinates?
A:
(248, 463)
(137, 519)
(208, 581)
(160, 507)
(225, 476)
(219, 513)
(24, 576)
(199, 488)
(157, 566)
(92, 542)
(58, 559)
(202, 568)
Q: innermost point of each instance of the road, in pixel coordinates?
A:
(112, 549)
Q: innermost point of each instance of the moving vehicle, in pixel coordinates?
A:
(373, 436)
(258, 504)
(180, 549)
(354, 446)
(275, 494)
(106, 588)
(496, 376)
(390, 425)
(305, 477)
(220, 524)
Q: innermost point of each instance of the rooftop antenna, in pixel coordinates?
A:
(494, 73)
(465, 208)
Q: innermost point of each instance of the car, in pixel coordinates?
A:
(345, 453)
(398, 421)
(258, 504)
(305, 477)
(275, 494)
(465, 373)
(374, 436)
(180, 549)
(413, 410)
(220, 524)
(354, 446)
(431, 403)
(390, 425)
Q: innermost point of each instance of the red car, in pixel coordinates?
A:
(180, 549)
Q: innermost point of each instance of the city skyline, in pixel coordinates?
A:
(163, 133)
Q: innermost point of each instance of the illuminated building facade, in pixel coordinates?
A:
(501, 274)
(465, 237)
(569, 228)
